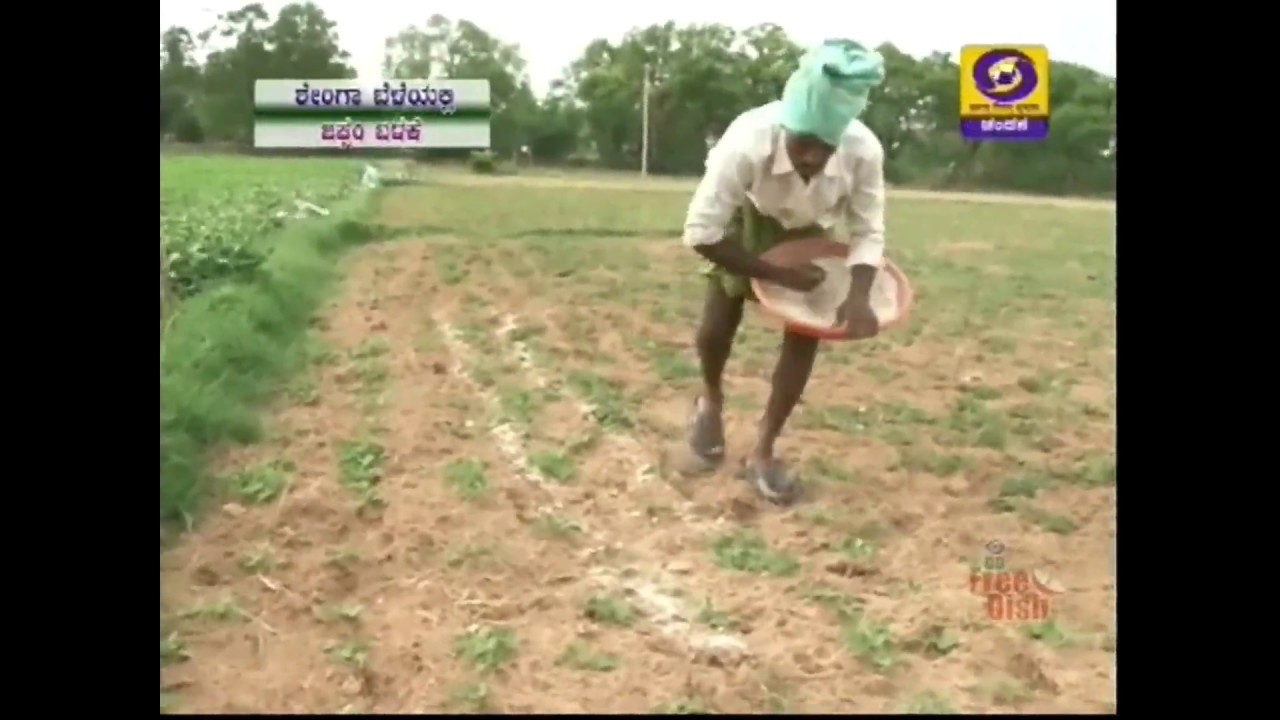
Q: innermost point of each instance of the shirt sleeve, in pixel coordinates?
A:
(721, 191)
(866, 210)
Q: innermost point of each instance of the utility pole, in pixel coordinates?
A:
(644, 124)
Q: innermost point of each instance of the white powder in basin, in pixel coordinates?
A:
(818, 307)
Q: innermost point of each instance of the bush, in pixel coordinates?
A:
(483, 162)
(582, 160)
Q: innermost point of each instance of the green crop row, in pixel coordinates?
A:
(215, 212)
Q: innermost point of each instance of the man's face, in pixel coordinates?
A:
(808, 154)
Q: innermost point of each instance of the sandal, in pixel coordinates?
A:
(704, 441)
(772, 481)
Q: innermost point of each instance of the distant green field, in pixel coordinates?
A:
(214, 211)
(206, 191)
(204, 197)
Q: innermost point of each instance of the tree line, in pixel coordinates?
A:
(701, 77)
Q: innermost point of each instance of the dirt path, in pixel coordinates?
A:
(622, 182)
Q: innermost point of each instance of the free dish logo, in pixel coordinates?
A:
(1013, 595)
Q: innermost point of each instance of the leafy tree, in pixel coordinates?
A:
(443, 48)
(300, 43)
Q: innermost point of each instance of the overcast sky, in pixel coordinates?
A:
(553, 34)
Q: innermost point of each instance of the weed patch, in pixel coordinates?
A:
(226, 351)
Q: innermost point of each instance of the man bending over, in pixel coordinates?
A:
(795, 168)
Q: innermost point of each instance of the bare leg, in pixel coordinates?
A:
(790, 376)
(721, 316)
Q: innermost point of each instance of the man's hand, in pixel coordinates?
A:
(733, 257)
(856, 314)
(801, 279)
(859, 320)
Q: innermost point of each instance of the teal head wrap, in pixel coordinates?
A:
(830, 89)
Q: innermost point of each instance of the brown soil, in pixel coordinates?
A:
(430, 567)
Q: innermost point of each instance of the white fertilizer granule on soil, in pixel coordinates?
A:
(818, 307)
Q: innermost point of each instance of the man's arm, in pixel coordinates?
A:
(865, 220)
(721, 192)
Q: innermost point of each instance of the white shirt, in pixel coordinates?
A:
(750, 162)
